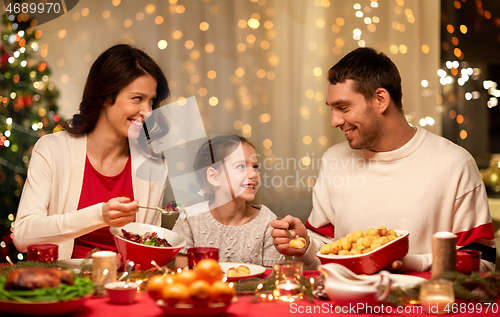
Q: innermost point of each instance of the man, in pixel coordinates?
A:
(389, 173)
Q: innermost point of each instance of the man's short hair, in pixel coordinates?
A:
(369, 70)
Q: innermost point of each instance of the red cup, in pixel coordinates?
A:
(42, 252)
(468, 261)
(197, 254)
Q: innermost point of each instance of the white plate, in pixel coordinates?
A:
(405, 281)
(255, 270)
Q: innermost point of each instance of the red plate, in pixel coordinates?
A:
(375, 260)
(42, 308)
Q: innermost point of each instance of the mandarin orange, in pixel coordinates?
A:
(199, 292)
(186, 277)
(155, 285)
(208, 270)
(221, 292)
(175, 293)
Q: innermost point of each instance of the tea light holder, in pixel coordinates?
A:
(103, 270)
(468, 261)
(197, 254)
(444, 254)
(42, 252)
(437, 296)
(287, 286)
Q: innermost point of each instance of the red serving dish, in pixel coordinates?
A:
(144, 254)
(375, 260)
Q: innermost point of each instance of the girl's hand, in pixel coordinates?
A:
(281, 240)
(119, 211)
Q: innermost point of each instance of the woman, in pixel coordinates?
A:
(81, 181)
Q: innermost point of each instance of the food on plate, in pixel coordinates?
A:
(360, 242)
(37, 277)
(298, 243)
(43, 284)
(198, 287)
(149, 238)
(241, 270)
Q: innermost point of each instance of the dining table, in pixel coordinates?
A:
(248, 306)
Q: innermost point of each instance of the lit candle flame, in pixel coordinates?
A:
(159, 268)
(123, 276)
(8, 260)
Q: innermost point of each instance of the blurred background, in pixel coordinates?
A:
(258, 68)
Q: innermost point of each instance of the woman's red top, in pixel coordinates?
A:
(98, 188)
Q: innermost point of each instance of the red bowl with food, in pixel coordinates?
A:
(141, 253)
(373, 261)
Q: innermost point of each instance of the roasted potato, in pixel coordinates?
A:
(360, 242)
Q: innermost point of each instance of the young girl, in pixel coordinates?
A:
(227, 171)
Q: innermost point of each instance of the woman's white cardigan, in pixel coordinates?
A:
(48, 212)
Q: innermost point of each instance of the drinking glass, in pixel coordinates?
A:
(197, 254)
(288, 275)
(437, 296)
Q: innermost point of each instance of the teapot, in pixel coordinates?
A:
(345, 287)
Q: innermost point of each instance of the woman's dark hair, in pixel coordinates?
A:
(369, 70)
(113, 70)
(213, 152)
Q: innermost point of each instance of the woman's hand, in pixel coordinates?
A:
(119, 211)
(282, 241)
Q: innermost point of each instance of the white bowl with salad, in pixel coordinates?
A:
(143, 243)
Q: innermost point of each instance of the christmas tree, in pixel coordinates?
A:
(28, 110)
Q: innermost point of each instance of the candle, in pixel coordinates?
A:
(437, 296)
(443, 253)
(42, 252)
(103, 269)
(197, 254)
(288, 274)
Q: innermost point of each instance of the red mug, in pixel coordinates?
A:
(197, 254)
(42, 252)
(468, 261)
